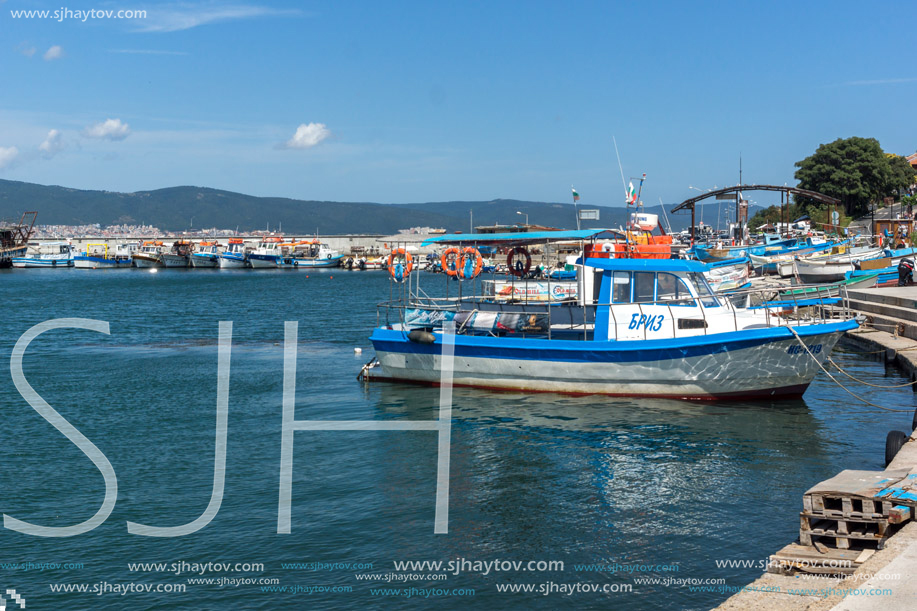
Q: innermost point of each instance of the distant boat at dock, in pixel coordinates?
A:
(268, 254)
(206, 255)
(312, 254)
(235, 256)
(100, 256)
(179, 256)
(47, 255)
(149, 255)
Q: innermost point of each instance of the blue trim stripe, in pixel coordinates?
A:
(573, 351)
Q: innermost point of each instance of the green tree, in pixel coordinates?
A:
(902, 174)
(854, 170)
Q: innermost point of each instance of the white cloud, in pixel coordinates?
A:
(55, 52)
(7, 155)
(173, 18)
(26, 49)
(52, 145)
(110, 129)
(307, 136)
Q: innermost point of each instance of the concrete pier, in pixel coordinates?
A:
(887, 578)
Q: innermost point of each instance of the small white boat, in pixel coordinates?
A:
(833, 268)
(149, 254)
(100, 256)
(235, 256)
(47, 255)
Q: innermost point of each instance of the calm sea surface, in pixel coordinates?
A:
(586, 481)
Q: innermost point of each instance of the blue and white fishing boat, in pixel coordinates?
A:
(646, 328)
(206, 255)
(235, 256)
(268, 254)
(312, 254)
(47, 255)
(100, 256)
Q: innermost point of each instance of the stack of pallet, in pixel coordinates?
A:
(846, 518)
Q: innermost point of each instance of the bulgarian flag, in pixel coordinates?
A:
(631, 194)
(575, 195)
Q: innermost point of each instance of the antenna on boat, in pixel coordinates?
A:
(620, 167)
(665, 216)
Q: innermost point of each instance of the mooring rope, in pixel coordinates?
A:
(864, 382)
(835, 380)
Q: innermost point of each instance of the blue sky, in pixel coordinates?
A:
(436, 101)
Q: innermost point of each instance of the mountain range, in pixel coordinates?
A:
(181, 208)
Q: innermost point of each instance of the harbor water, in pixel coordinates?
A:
(656, 504)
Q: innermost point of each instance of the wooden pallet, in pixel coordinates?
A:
(795, 558)
(869, 531)
(837, 505)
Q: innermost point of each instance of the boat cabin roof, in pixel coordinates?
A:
(647, 265)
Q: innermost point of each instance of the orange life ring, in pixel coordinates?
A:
(510, 261)
(478, 262)
(408, 262)
(444, 260)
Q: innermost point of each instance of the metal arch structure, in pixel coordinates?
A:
(814, 195)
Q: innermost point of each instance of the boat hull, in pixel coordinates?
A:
(205, 260)
(309, 263)
(34, 262)
(263, 261)
(230, 261)
(172, 260)
(147, 261)
(87, 262)
(695, 368)
(817, 272)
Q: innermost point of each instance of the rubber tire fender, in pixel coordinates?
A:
(893, 442)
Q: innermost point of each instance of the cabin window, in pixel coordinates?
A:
(620, 287)
(597, 278)
(644, 286)
(670, 287)
(704, 291)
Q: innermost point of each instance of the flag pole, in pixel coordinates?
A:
(575, 212)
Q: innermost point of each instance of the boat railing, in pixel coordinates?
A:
(798, 306)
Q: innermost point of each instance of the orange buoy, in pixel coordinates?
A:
(408, 264)
(444, 260)
(478, 262)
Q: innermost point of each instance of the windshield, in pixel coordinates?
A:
(704, 292)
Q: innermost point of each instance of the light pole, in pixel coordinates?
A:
(526, 217)
(693, 210)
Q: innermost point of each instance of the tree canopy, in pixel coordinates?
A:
(856, 171)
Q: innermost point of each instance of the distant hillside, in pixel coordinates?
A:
(176, 208)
